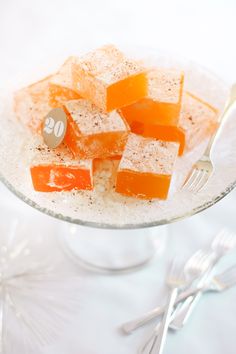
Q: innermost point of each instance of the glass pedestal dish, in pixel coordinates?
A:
(104, 230)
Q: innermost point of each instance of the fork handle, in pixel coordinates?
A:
(147, 345)
(185, 311)
(221, 119)
(133, 325)
(159, 342)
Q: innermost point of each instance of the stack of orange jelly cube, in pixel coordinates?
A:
(118, 108)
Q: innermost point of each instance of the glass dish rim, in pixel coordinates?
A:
(114, 226)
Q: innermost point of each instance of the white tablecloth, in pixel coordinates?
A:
(33, 31)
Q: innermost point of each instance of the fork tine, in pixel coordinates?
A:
(220, 242)
(198, 263)
(198, 176)
(203, 261)
(228, 276)
(208, 259)
(217, 239)
(226, 240)
(201, 181)
(175, 271)
(191, 180)
(188, 178)
(193, 259)
(204, 181)
(197, 259)
(204, 258)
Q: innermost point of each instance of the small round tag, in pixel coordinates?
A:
(54, 127)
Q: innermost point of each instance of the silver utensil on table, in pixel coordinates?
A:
(223, 243)
(204, 167)
(218, 283)
(194, 267)
(175, 281)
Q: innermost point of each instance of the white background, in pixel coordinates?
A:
(33, 32)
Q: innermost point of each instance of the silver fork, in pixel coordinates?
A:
(175, 281)
(197, 264)
(223, 243)
(218, 284)
(203, 168)
(193, 268)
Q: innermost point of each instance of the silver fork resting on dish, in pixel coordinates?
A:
(222, 240)
(203, 168)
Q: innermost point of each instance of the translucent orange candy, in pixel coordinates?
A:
(146, 167)
(56, 170)
(158, 114)
(198, 120)
(195, 122)
(31, 104)
(163, 102)
(61, 85)
(92, 133)
(109, 79)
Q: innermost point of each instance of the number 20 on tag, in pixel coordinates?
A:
(54, 127)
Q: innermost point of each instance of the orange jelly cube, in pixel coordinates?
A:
(146, 167)
(61, 85)
(56, 170)
(31, 104)
(198, 120)
(92, 133)
(162, 104)
(109, 79)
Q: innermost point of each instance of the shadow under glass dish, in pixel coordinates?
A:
(111, 211)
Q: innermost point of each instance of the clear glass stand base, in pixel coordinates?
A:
(112, 251)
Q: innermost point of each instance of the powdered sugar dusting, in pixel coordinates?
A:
(197, 119)
(31, 104)
(64, 76)
(149, 155)
(100, 60)
(92, 120)
(108, 65)
(42, 155)
(121, 71)
(55, 175)
(165, 85)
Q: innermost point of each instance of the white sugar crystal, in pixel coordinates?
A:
(149, 155)
(64, 76)
(42, 155)
(101, 60)
(121, 71)
(164, 85)
(92, 120)
(109, 65)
